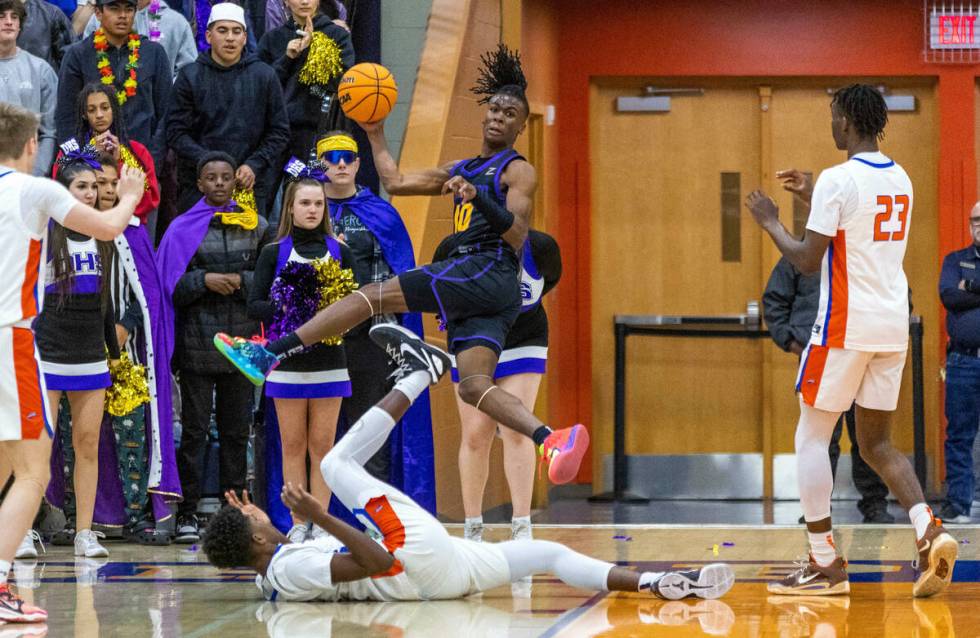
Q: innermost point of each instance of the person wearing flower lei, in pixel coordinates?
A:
(305, 393)
(309, 54)
(99, 120)
(135, 69)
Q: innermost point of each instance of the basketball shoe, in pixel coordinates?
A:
(563, 451)
(710, 581)
(248, 355)
(408, 352)
(811, 579)
(937, 556)
(13, 609)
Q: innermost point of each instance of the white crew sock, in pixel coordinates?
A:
(517, 520)
(4, 570)
(822, 547)
(921, 515)
(414, 384)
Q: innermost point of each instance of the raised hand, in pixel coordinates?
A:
(460, 188)
(131, 181)
(300, 502)
(796, 182)
(245, 506)
(763, 208)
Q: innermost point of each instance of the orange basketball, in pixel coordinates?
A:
(367, 92)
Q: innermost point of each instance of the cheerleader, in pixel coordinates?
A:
(519, 371)
(73, 332)
(99, 122)
(307, 390)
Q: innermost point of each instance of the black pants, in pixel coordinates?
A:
(872, 489)
(368, 367)
(232, 394)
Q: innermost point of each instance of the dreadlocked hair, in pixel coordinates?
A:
(501, 73)
(228, 539)
(864, 107)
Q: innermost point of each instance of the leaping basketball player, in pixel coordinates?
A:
(856, 237)
(418, 559)
(476, 290)
(26, 205)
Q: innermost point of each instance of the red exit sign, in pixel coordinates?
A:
(953, 30)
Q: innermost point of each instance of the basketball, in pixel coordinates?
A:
(367, 92)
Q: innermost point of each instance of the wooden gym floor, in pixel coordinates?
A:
(171, 591)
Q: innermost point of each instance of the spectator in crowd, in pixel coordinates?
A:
(789, 306)
(99, 121)
(200, 18)
(308, 81)
(276, 13)
(27, 81)
(230, 102)
(306, 392)
(161, 24)
(46, 32)
(206, 261)
(109, 56)
(959, 289)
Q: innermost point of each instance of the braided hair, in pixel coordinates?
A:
(501, 74)
(864, 107)
(228, 540)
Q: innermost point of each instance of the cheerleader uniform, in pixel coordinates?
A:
(320, 371)
(526, 347)
(73, 330)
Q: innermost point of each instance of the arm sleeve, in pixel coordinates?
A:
(187, 47)
(362, 271)
(303, 574)
(276, 137)
(190, 287)
(133, 316)
(181, 121)
(828, 200)
(259, 306)
(777, 303)
(266, 236)
(151, 196)
(343, 39)
(954, 299)
(547, 256)
(47, 129)
(163, 82)
(62, 37)
(70, 82)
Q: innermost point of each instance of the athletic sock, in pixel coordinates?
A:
(649, 579)
(285, 346)
(921, 515)
(4, 570)
(822, 547)
(520, 519)
(541, 434)
(475, 520)
(412, 385)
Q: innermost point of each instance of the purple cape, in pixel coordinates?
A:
(181, 241)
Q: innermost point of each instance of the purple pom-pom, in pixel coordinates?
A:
(295, 294)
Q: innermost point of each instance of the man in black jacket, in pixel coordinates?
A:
(229, 102)
(144, 109)
(790, 309)
(46, 32)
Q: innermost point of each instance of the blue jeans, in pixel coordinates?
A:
(962, 416)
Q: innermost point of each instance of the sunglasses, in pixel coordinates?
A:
(335, 157)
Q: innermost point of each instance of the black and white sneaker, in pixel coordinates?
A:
(188, 530)
(711, 581)
(408, 352)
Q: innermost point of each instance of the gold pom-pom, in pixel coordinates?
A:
(129, 389)
(335, 284)
(323, 63)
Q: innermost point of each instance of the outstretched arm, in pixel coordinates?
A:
(366, 558)
(426, 182)
(105, 225)
(805, 254)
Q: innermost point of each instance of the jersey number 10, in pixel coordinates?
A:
(462, 216)
(889, 205)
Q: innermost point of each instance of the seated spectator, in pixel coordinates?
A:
(308, 83)
(229, 102)
(959, 290)
(27, 81)
(161, 24)
(46, 32)
(99, 122)
(206, 262)
(104, 57)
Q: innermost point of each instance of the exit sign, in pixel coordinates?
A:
(953, 29)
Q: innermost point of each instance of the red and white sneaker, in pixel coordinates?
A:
(13, 609)
(563, 451)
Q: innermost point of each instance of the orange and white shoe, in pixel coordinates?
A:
(563, 451)
(811, 579)
(937, 557)
(13, 609)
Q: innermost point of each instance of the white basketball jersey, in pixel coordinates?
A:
(865, 204)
